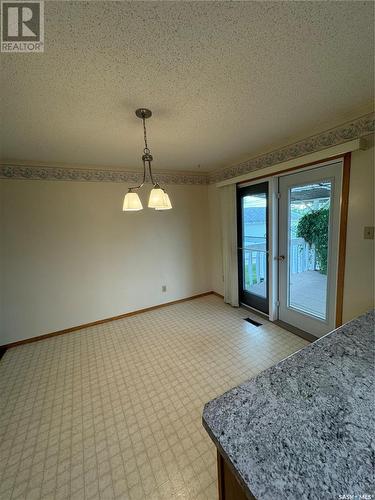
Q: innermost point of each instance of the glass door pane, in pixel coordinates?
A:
(254, 221)
(309, 221)
(253, 245)
(309, 212)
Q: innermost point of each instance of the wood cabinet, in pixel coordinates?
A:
(229, 486)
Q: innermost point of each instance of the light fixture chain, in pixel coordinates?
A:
(145, 134)
(147, 156)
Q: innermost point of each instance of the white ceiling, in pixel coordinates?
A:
(225, 80)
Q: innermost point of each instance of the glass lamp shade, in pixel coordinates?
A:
(167, 203)
(132, 203)
(156, 199)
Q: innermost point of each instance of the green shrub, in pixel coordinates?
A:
(313, 227)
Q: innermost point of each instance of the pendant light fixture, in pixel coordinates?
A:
(159, 199)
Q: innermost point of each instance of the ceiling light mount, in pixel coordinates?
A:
(143, 113)
(159, 199)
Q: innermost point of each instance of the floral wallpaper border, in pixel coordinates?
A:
(354, 129)
(94, 175)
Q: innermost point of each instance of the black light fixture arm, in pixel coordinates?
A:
(143, 113)
(147, 157)
(154, 183)
(134, 188)
(158, 198)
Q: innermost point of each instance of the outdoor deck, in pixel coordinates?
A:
(308, 291)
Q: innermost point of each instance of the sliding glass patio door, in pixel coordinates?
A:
(252, 208)
(309, 215)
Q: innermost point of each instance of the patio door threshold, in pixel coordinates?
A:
(297, 331)
(286, 326)
(255, 311)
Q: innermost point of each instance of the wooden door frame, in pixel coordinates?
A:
(345, 186)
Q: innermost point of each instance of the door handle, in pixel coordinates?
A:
(280, 258)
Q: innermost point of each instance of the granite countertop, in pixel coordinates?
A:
(304, 428)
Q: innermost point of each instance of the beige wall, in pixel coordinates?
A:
(69, 255)
(359, 268)
(359, 271)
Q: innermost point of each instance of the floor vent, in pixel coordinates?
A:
(253, 322)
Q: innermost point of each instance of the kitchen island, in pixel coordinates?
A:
(304, 428)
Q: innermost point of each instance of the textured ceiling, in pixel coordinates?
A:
(225, 80)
